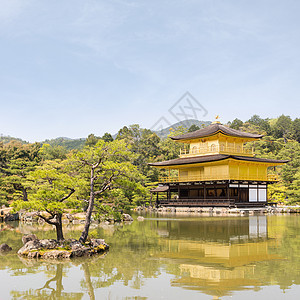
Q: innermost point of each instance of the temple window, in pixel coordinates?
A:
(194, 149)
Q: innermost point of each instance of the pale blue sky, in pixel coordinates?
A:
(70, 68)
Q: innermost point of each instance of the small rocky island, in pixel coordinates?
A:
(53, 249)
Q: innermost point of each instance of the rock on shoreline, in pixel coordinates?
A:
(5, 248)
(53, 249)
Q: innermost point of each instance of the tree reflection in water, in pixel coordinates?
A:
(54, 292)
(52, 289)
(88, 281)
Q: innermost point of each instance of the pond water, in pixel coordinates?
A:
(165, 258)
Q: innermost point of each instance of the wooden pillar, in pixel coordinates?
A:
(228, 196)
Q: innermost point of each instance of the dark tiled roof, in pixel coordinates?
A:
(257, 159)
(211, 158)
(212, 129)
(190, 160)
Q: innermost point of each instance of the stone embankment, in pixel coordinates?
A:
(219, 210)
(53, 249)
(68, 218)
(7, 215)
(75, 218)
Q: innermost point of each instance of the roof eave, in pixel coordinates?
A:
(188, 162)
(177, 138)
(216, 160)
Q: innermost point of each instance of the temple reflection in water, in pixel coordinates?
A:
(220, 255)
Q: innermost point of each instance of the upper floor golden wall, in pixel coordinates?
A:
(217, 144)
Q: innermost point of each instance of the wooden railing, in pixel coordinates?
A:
(198, 202)
(169, 179)
(215, 149)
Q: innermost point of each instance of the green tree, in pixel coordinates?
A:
(16, 161)
(287, 190)
(107, 137)
(283, 128)
(293, 191)
(52, 189)
(92, 140)
(277, 192)
(236, 124)
(144, 144)
(130, 134)
(262, 124)
(49, 152)
(255, 120)
(291, 152)
(105, 167)
(267, 147)
(3, 194)
(145, 150)
(170, 149)
(193, 128)
(296, 129)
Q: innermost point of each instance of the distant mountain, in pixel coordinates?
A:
(66, 142)
(6, 139)
(186, 123)
(71, 144)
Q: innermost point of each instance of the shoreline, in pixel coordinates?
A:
(220, 211)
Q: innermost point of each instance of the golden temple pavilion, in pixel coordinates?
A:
(216, 169)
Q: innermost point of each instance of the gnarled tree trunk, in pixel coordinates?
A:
(58, 226)
(25, 196)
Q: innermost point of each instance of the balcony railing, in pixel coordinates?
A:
(198, 202)
(216, 149)
(170, 179)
